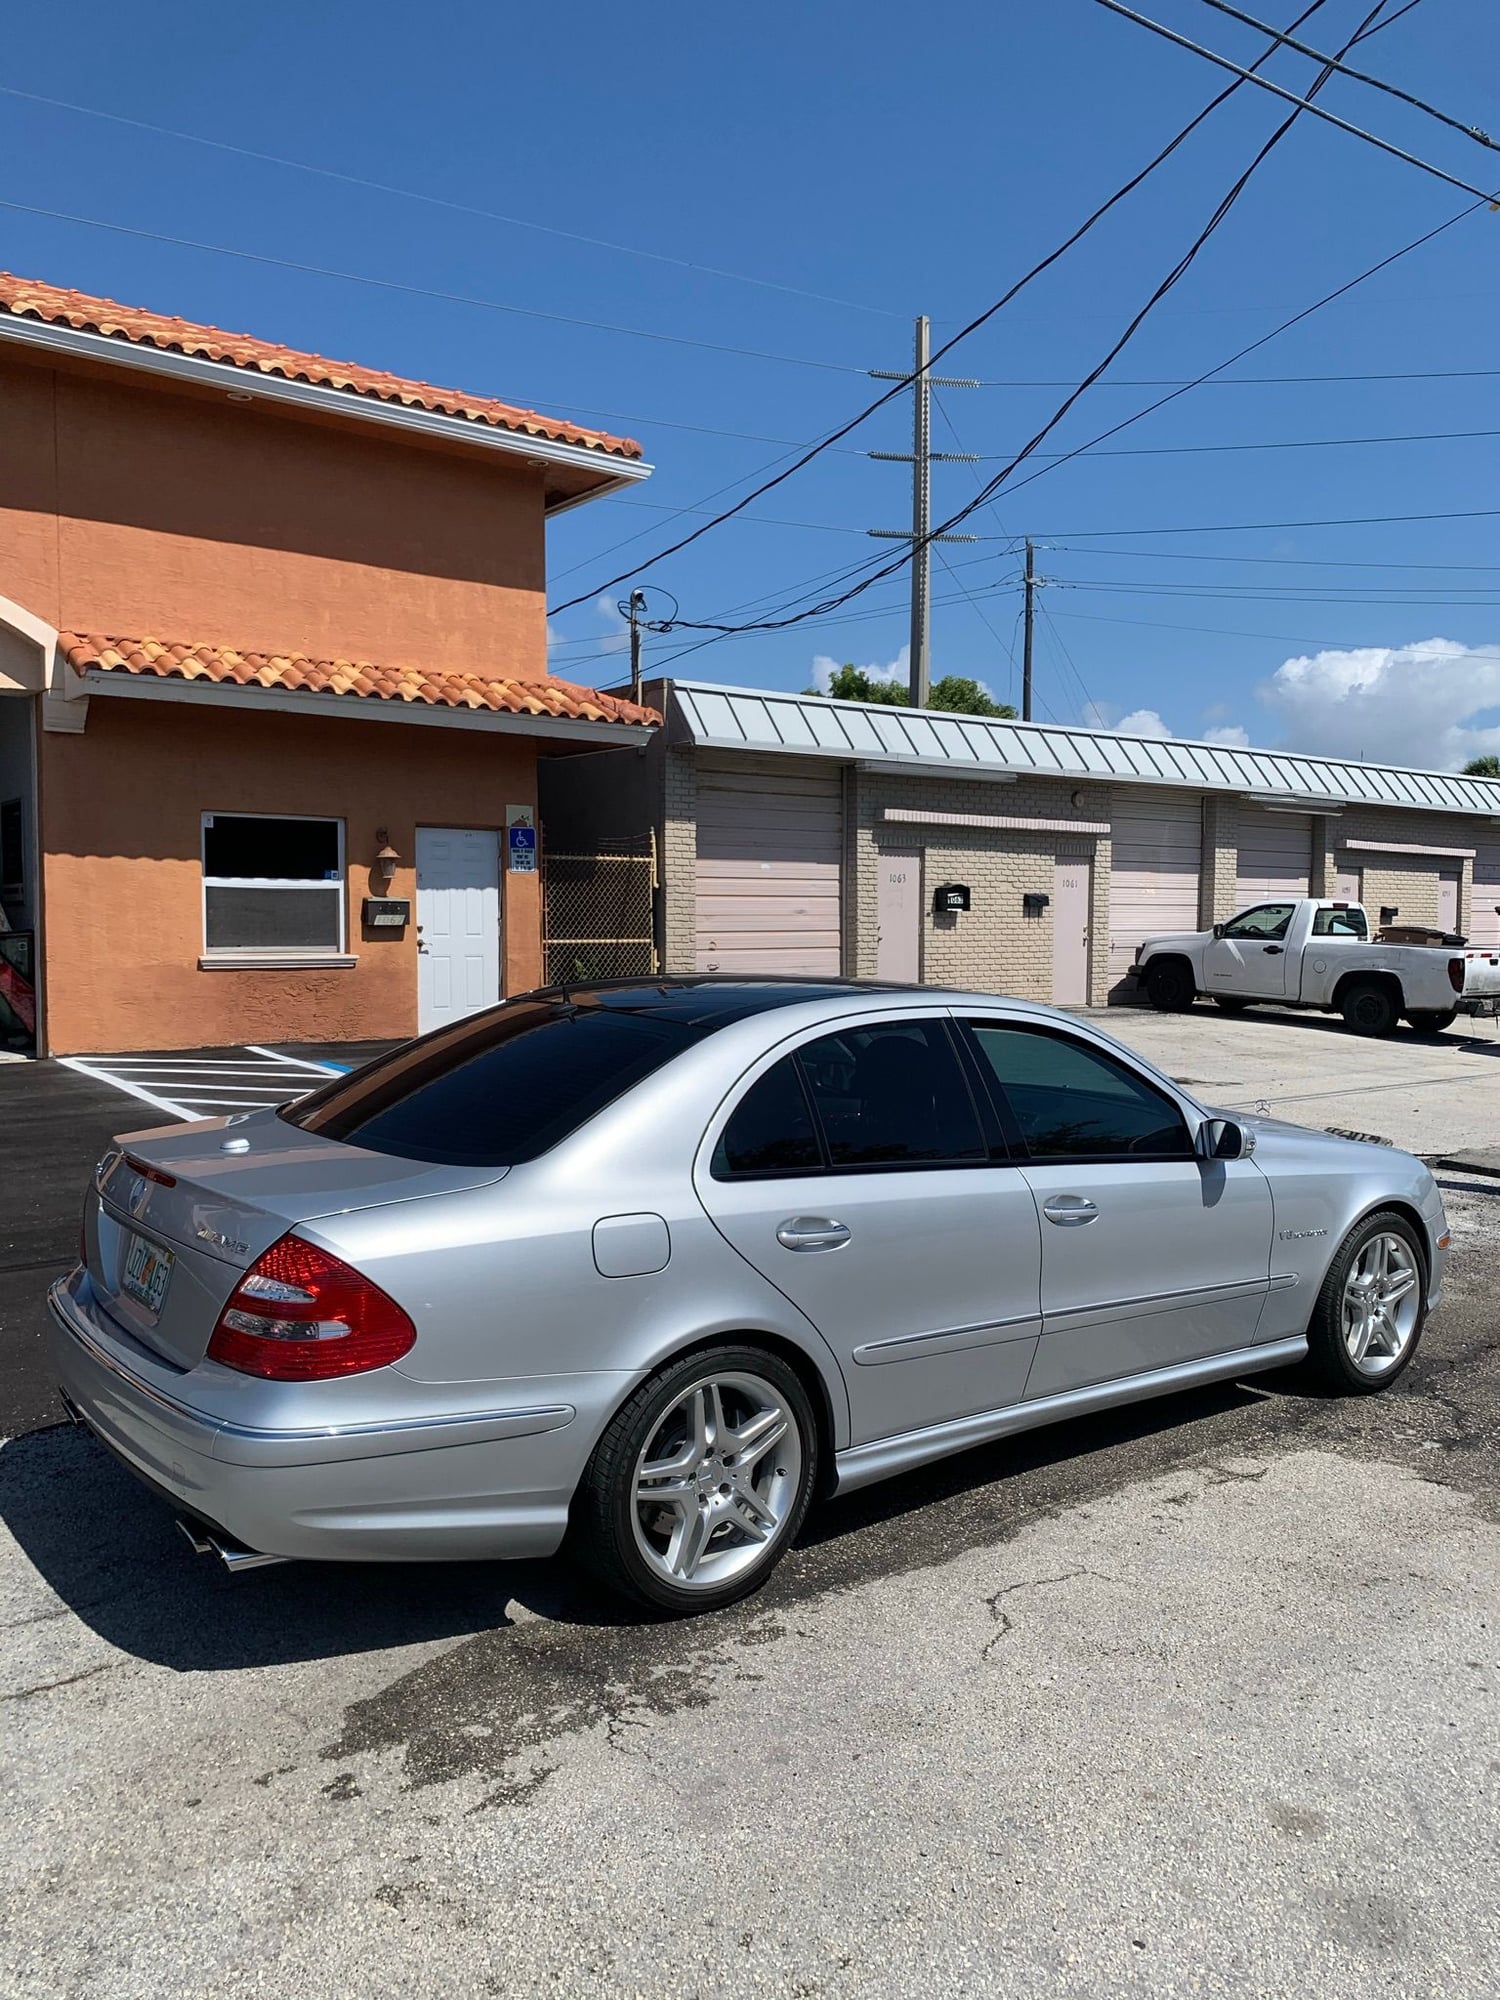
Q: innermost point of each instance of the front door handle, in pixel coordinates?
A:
(1069, 1210)
(812, 1232)
(1272, 950)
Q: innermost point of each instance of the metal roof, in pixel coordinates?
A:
(728, 718)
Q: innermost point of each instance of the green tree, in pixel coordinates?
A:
(1483, 767)
(966, 697)
(955, 693)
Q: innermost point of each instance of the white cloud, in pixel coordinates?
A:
(616, 637)
(1402, 704)
(1229, 734)
(825, 667)
(1142, 722)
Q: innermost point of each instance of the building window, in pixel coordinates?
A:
(272, 886)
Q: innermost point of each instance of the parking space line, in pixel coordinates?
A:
(299, 1062)
(207, 1086)
(166, 1104)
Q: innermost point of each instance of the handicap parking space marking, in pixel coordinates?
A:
(209, 1086)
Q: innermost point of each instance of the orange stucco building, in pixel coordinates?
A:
(272, 641)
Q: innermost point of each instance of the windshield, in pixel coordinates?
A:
(497, 1089)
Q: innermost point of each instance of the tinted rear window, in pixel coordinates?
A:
(495, 1091)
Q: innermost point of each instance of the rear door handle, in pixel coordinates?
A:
(812, 1232)
(1069, 1210)
(1273, 950)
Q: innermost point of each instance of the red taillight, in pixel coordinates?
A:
(300, 1314)
(146, 1173)
(1456, 974)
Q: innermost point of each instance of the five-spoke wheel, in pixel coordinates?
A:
(1370, 1309)
(701, 1480)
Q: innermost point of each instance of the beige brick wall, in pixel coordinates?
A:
(1405, 882)
(994, 946)
(677, 862)
(1221, 858)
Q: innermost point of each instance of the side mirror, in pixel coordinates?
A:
(1219, 930)
(1222, 1139)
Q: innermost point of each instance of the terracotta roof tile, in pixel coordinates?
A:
(27, 298)
(357, 678)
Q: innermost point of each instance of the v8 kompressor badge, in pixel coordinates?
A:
(1298, 1235)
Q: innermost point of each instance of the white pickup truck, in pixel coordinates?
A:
(1315, 952)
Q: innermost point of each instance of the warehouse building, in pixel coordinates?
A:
(794, 834)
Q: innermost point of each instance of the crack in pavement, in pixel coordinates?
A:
(68, 1680)
(1003, 1618)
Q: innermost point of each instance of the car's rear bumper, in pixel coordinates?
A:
(474, 1485)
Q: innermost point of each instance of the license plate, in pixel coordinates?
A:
(147, 1273)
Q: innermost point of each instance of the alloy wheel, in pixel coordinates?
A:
(1382, 1304)
(716, 1481)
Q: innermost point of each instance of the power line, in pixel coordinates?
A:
(427, 291)
(1291, 97)
(440, 201)
(1173, 277)
(981, 319)
(1275, 562)
(1249, 527)
(1360, 76)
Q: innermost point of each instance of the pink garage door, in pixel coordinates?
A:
(770, 849)
(1484, 922)
(1275, 856)
(1158, 851)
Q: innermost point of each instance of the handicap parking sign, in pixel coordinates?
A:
(522, 849)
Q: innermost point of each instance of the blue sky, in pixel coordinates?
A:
(890, 161)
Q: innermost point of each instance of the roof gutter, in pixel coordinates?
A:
(355, 708)
(250, 385)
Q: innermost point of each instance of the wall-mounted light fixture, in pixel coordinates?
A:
(1388, 913)
(386, 859)
(1034, 902)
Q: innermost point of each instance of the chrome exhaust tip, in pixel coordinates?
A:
(205, 1541)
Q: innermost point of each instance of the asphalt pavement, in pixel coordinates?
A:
(1194, 1698)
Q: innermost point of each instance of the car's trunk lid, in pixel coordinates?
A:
(183, 1211)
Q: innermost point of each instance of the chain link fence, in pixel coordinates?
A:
(598, 912)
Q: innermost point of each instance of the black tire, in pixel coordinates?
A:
(1328, 1356)
(1231, 1003)
(603, 1534)
(1432, 1022)
(1169, 985)
(1369, 1008)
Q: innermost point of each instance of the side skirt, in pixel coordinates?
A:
(863, 1464)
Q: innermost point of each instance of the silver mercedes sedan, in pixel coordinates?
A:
(647, 1267)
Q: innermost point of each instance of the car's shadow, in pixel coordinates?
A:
(110, 1551)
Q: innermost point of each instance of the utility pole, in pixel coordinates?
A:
(1030, 586)
(921, 537)
(633, 610)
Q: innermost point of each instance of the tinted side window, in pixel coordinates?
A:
(892, 1094)
(1266, 920)
(1072, 1102)
(771, 1130)
(1340, 923)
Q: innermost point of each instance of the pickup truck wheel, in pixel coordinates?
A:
(1369, 1008)
(1368, 1319)
(1169, 986)
(1231, 1003)
(1427, 1023)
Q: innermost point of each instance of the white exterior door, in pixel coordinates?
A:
(1448, 879)
(770, 858)
(898, 937)
(1158, 851)
(458, 923)
(1070, 933)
